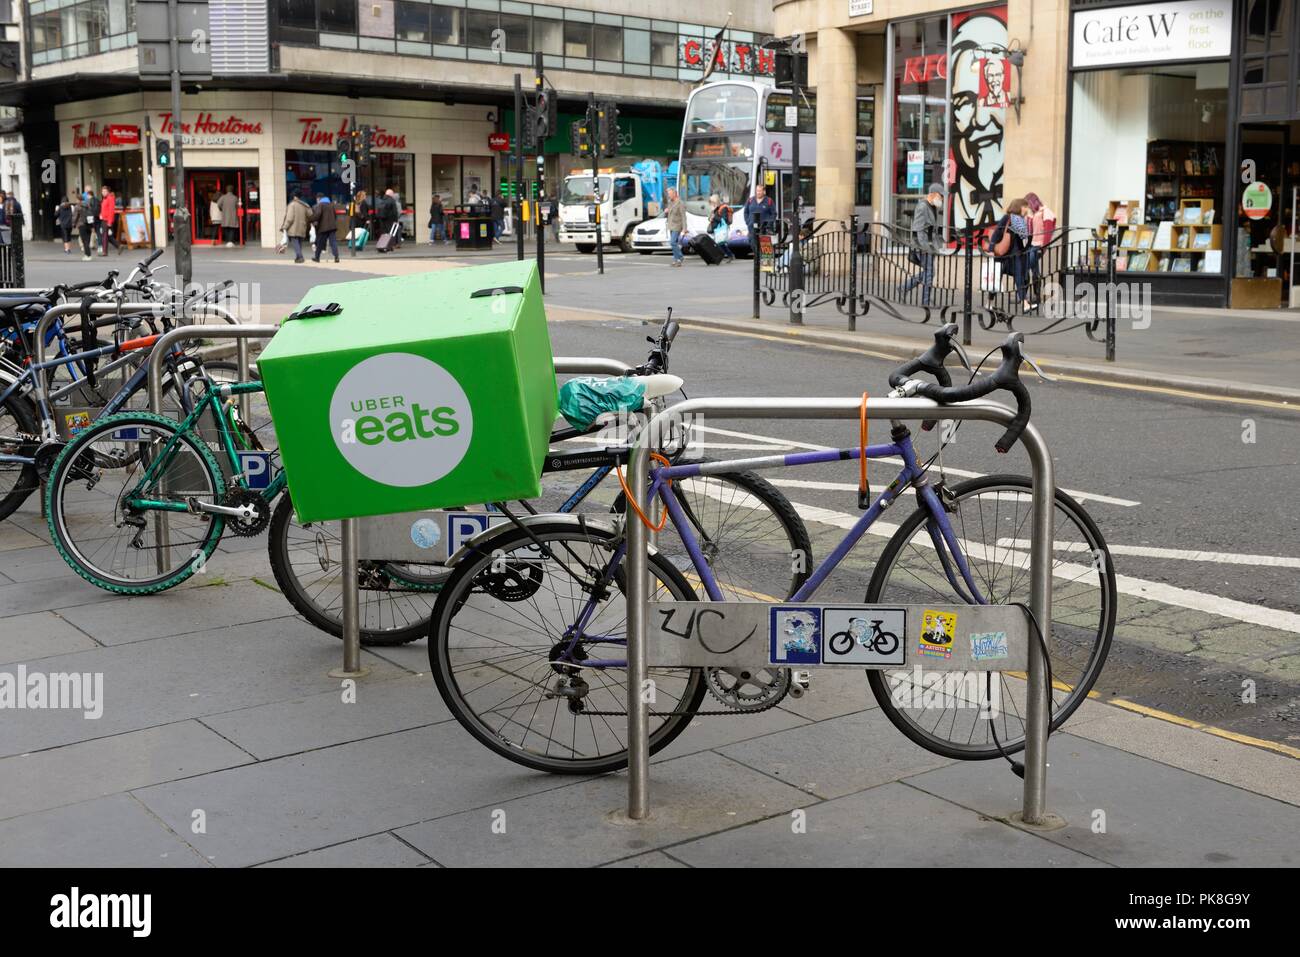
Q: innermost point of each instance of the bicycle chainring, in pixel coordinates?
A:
(250, 527)
(748, 689)
(510, 581)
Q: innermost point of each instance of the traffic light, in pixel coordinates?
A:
(365, 142)
(607, 128)
(545, 115)
(528, 139)
(580, 138)
(344, 148)
(790, 68)
(164, 153)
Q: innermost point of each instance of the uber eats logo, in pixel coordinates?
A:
(401, 419)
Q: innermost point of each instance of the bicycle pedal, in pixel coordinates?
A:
(800, 683)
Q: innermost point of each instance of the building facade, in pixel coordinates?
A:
(435, 80)
(1171, 122)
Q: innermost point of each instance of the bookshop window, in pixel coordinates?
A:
(1147, 162)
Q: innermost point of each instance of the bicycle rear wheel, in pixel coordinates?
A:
(499, 655)
(991, 519)
(396, 601)
(113, 543)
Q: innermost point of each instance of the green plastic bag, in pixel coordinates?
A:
(584, 399)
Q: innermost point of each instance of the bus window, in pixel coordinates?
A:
(725, 108)
(776, 104)
(730, 181)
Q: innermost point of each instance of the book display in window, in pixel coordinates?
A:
(1179, 170)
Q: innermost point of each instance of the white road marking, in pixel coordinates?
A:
(845, 487)
(1180, 554)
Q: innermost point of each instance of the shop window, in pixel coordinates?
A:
(338, 16)
(412, 21)
(446, 24)
(479, 25)
(1148, 148)
(549, 35)
(920, 112)
(518, 32)
(663, 49)
(577, 39)
(608, 42)
(297, 14)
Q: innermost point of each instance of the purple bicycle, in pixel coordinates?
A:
(538, 673)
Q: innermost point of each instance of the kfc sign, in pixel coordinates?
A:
(923, 69)
(92, 136)
(730, 57)
(316, 133)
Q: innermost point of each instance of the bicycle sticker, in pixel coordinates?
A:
(865, 636)
(938, 629)
(795, 636)
(425, 533)
(76, 423)
(129, 434)
(989, 646)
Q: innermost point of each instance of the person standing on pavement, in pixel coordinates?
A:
(107, 220)
(497, 206)
(63, 215)
(388, 214)
(363, 214)
(297, 218)
(760, 214)
(325, 219)
(437, 221)
(926, 232)
(81, 222)
(1042, 226)
(228, 208)
(720, 226)
(675, 220)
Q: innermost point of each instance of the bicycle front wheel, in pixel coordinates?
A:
(504, 665)
(98, 518)
(19, 436)
(991, 519)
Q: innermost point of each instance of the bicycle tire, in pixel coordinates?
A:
(1096, 658)
(18, 414)
(883, 648)
(452, 600)
(841, 643)
(63, 473)
(299, 592)
(794, 530)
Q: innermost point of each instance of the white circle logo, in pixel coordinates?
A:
(425, 533)
(401, 419)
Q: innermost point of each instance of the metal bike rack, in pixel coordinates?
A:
(590, 365)
(1033, 811)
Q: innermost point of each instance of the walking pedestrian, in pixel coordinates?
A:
(297, 218)
(228, 208)
(389, 214)
(82, 222)
(926, 233)
(760, 215)
(325, 219)
(497, 206)
(720, 226)
(63, 215)
(675, 220)
(107, 220)
(363, 214)
(437, 221)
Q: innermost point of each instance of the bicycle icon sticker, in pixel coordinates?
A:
(864, 636)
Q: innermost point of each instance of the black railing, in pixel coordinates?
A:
(1066, 284)
(13, 268)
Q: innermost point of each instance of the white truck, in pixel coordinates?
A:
(623, 207)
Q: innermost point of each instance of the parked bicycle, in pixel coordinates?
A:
(537, 673)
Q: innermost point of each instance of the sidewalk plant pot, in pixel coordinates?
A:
(424, 391)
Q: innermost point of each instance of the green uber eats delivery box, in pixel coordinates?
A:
(424, 391)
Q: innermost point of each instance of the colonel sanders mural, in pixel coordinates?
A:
(979, 74)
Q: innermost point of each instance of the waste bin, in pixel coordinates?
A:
(425, 391)
(474, 232)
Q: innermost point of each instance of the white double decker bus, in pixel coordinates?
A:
(734, 137)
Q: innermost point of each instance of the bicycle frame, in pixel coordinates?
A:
(211, 398)
(940, 529)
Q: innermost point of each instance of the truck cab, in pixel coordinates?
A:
(622, 204)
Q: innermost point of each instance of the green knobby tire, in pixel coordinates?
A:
(63, 476)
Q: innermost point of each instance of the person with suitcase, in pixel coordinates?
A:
(390, 225)
(720, 226)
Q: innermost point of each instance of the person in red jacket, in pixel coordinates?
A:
(107, 220)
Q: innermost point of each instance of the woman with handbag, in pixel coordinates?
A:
(720, 226)
(1010, 244)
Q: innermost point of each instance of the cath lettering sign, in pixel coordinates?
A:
(1153, 33)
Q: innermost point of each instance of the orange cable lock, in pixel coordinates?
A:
(627, 496)
(864, 490)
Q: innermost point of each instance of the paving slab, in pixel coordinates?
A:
(49, 593)
(39, 635)
(323, 720)
(888, 826)
(1154, 815)
(91, 769)
(840, 756)
(112, 831)
(377, 850)
(33, 563)
(271, 810)
(14, 536)
(571, 826)
(707, 733)
(653, 859)
(832, 692)
(1231, 762)
(147, 683)
(178, 611)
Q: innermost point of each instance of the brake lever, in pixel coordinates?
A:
(1033, 365)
